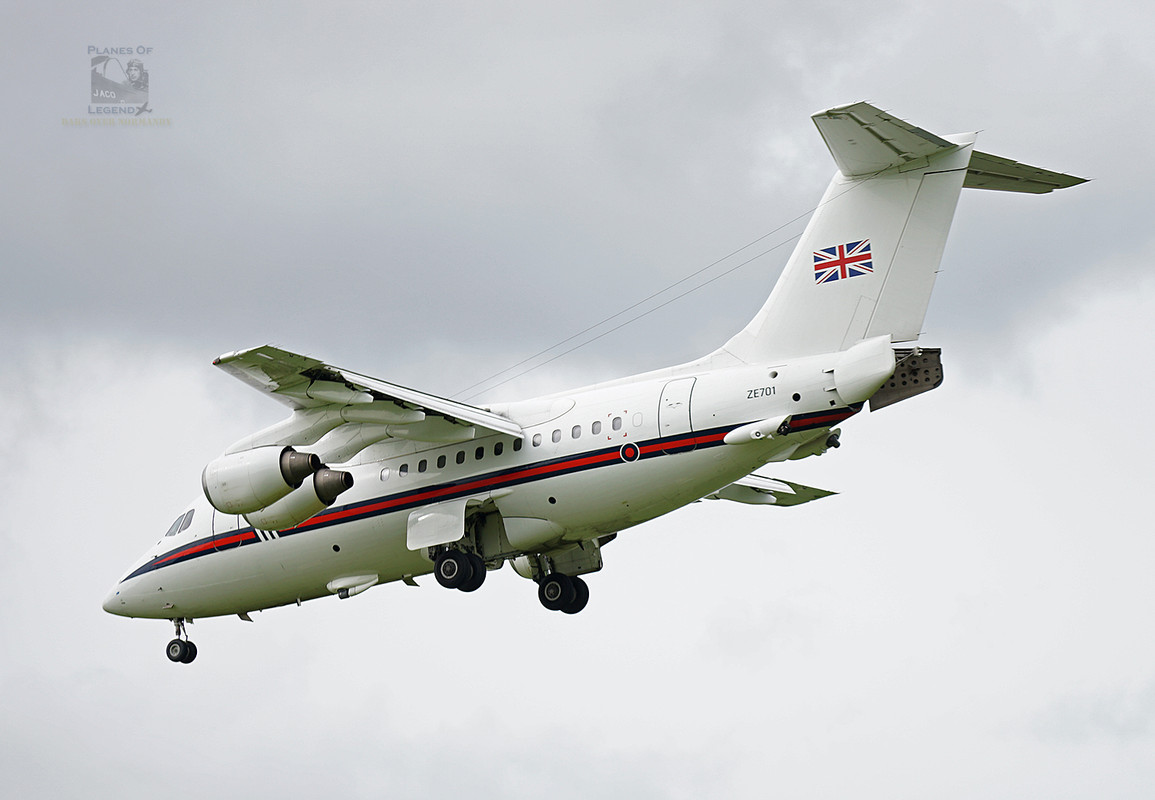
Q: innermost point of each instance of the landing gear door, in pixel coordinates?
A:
(440, 523)
(674, 413)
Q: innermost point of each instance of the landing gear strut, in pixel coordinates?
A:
(181, 649)
(564, 593)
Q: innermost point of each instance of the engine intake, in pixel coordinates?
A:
(239, 483)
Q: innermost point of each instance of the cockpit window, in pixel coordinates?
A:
(181, 523)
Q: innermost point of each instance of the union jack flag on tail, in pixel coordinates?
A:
(842, 261)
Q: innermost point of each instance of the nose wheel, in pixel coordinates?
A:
(181, 650)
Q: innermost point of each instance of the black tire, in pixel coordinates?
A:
(556, 591)
(191, 654)
(177, 650)
(581, 597)
(453, 569)
(478, 578)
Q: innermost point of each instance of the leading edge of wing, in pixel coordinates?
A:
(304, 383)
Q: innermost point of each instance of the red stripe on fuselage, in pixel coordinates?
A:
(207, 545)
(693, 440)
(479, 484)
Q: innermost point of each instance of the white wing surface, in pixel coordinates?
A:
(349, 409)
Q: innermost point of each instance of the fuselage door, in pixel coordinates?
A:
(674, 415)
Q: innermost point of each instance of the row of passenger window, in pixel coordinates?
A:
(576, 431)
(499, 447)
(442, 460)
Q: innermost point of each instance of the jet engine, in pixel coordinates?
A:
(301, 504)
(240, 483)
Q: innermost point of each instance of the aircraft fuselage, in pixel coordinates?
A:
(593, 462)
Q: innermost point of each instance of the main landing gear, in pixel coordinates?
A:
(457, 570)
(181, 649)
(565, 593)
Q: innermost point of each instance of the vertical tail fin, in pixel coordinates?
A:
(866, 263)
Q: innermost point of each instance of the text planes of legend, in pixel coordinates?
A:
(367, 482)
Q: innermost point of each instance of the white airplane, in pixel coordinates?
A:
(427, 484)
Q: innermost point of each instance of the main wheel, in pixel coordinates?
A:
(478, 577)
(191, 654)
(177, 650)
(556, 591)
(581, 596)
(453, 569)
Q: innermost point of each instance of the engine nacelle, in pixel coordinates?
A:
(252, 479)
(301, 504)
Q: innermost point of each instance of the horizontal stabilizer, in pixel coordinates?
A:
(1002, 174)
(760, 491)
(865, 140)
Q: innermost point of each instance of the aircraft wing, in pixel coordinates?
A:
(757, 490)
(324, 397)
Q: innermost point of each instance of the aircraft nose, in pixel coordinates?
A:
(114, 603)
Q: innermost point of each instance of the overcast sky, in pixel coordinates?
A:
(430, 193)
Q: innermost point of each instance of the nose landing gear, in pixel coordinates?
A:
(180, 649)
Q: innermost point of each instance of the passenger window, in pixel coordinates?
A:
(596, 428)
(479, 453)
(460, 457)
(441, 462)
(617, 423)
(385, 474)
(537, 440)
(576, 432)
(498, 449)
(422, 465)
(556, 436)
(403, 470)
(638, 420)
(516, 445)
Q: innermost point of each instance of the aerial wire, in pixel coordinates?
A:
(621, 325)
(645, 300)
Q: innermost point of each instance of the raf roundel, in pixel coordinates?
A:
(630, 452)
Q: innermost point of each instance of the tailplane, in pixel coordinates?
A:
(866, 263)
